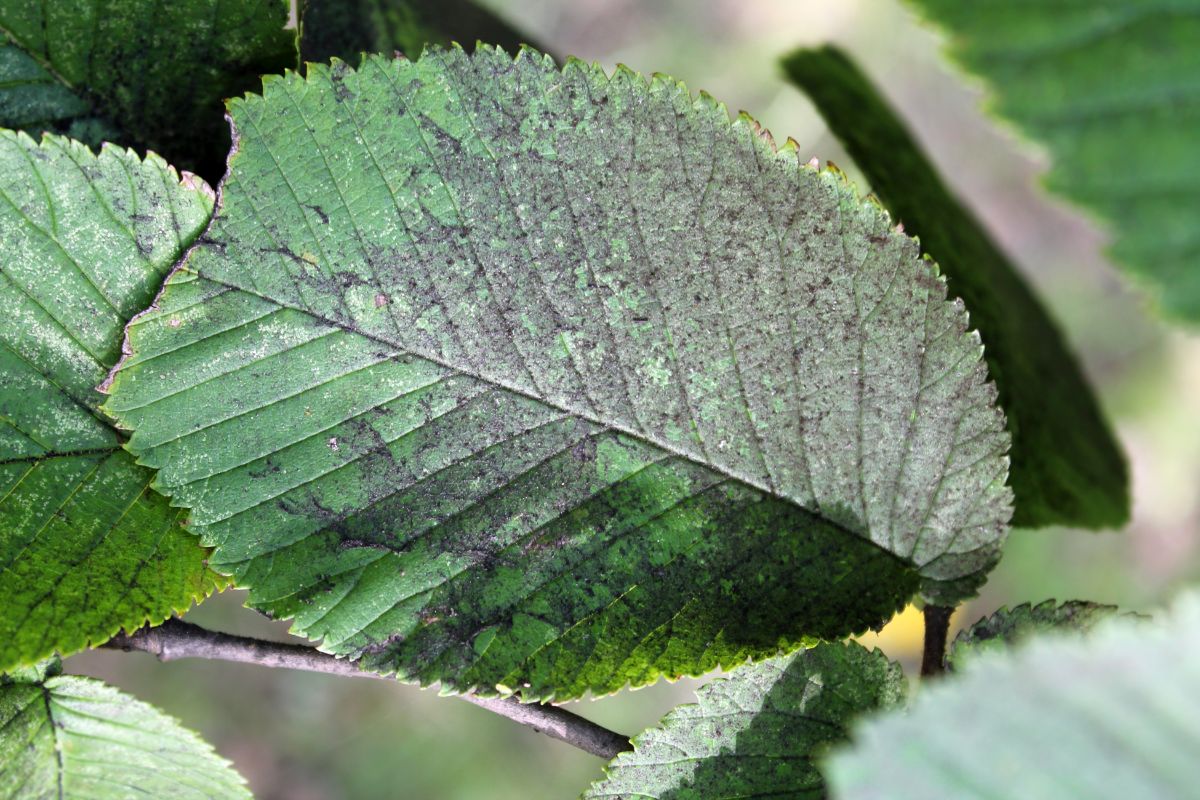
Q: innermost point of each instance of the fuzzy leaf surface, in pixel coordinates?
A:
(1100, 83)
(515, 376)
(1067, 468)
(1006, 627)
(74, 738)
(86, 548)
(1108, 716)
(759, 732)
(138, 72)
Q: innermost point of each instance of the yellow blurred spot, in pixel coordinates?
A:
(904, 635)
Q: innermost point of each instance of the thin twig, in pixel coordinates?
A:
(176, 639)
(937, 628)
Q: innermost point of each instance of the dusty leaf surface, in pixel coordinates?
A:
(522, 377)
(86, 548)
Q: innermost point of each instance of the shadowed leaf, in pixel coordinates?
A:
(138, 72)
(757, 733)
(1006, 627)
(346, 29)
(526, 378)
(85, 547)
(1067, 468)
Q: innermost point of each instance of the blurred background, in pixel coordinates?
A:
(311, 737)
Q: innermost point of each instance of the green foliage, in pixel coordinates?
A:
(1107, 717)
(78, 739)
(758, 732)
(1005, 628)
(1067, 468)
(86, 548)
(455, 381)
(138, 72)
(348, 28)
(1108, 87)
(535, 380)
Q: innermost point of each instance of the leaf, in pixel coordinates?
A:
(1109, 89)
(34, 98)
(138, 72)
(1067, 468)
(758, 732)
(80, 739)
(347, 29)
(1110, 716)
(1005, 628)
(521, 378)
(85, 548)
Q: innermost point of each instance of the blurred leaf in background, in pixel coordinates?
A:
(1110, 88)
(1110, 716)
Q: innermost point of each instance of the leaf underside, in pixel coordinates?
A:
(1007, 627)
(75, 738)
(1109, 88)
(85, 547)
(518, 377)
(1108, 717)
(1067, 468)
(138, 72)
(759, 732)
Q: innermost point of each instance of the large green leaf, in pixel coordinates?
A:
(520, 377)
(76, 738)
(85, 547)
(759, 732)
(1110, 87)
(1108, 717)
(1067, 469)
(1007, 627)
(348, 28)
(138, 72)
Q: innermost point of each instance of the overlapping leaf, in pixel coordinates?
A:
(759, 732)
(85, 547)
(138, 72)
(348, 28)
(1067, 468)
(1107, 717)
(520, 377)
(1110, 88)
(1006, 627)
(76, 738)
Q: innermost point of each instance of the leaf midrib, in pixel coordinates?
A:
(349, 327)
